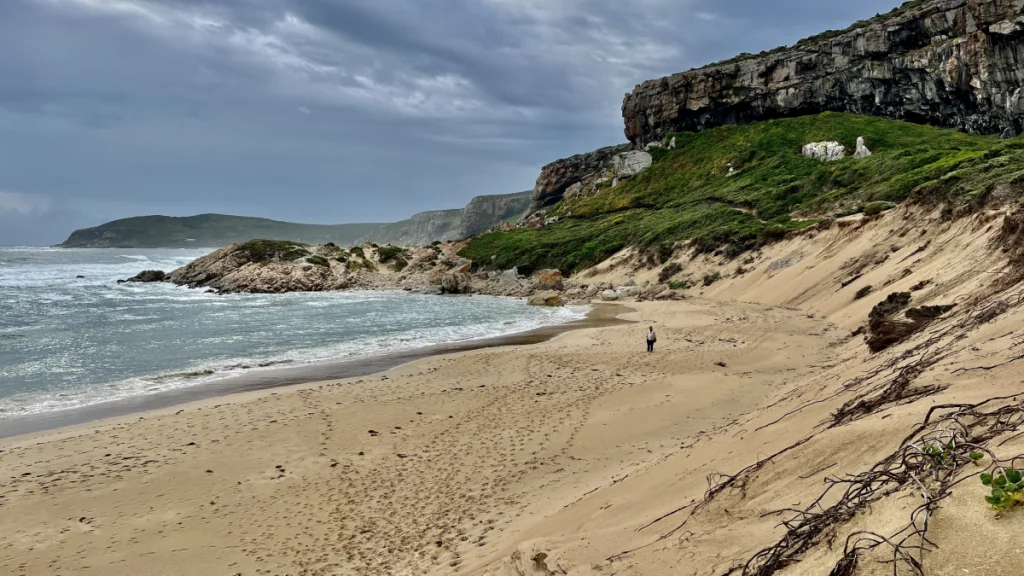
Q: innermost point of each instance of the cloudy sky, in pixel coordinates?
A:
(332, 111)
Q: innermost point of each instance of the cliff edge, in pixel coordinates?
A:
(949, 63)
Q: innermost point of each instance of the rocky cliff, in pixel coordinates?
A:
(480, 215)
(951, 63)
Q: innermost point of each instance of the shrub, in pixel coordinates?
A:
(318, 261)
(358, 251)
(710, 279)
(681, 285)
(266, 250)
(669, 271)
(863, 292)
(876, 208)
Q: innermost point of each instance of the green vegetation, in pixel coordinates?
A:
(265, 250)
(358, 251)
(681, 285)
(863, 293)
(669, 271)
(1007, 489)
(711, 278)
(876, 208)
(398, 257)
(208, 230)
(318, 261)
(686, 195)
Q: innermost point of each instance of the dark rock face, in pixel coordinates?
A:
(556, 178)
(149, 276)
(952, 63)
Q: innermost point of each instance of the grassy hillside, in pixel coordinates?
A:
(688, 195)
(209, 230)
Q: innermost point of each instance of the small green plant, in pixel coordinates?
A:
(976, 457)
(318, 261)
(876, 208)
(358, 251)
(863, 292)
(710, 279)
(681, 285)
(1007, 489)
(669, 271)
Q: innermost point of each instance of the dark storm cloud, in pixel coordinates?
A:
(331, 110)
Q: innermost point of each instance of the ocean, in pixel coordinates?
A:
(71, 337)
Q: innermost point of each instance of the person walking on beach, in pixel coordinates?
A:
(651, 338)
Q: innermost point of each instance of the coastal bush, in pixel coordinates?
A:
(681, 285)
(669, 271)
(266, 250)
(395, 255)
(685, 195)
(358, 251)
(318, 261)
(863, 293)
(876, 208)
(711, 278)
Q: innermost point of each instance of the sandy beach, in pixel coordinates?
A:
(582, 455)
(439, 466)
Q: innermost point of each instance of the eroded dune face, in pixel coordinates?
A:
(859, 453)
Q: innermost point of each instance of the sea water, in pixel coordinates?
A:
(71, 336)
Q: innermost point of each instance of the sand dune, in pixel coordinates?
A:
(583, 455)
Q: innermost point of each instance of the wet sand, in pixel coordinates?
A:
(599, 315)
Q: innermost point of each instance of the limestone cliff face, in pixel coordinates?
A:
(952, 63)
(485, 212)
(480, 215)
(422, 228)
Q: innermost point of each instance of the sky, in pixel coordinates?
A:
(332, 111)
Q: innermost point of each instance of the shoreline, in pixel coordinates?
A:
(600, 315)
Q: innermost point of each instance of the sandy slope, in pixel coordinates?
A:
(557, 458)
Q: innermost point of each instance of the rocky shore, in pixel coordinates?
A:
(268, 266)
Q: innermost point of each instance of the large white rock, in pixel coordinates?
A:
(862, 150)
(609, 295)
(631, 163)
(825, 151)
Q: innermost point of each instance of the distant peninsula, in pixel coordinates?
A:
(215, 230)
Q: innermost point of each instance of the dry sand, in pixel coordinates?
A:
(555, 458)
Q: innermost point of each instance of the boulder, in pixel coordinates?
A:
(825, 151)
(591, 291)
(546, 298)
(628, 291)
(611, 295)
(509, 277)
(149, 276)
(862, 150)
(455, 283)
(629, 164)
(550, 280)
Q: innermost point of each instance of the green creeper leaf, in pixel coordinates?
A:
(986, 479)
(1014, 476)
(977, 456)
(1001, 481)
(992, 500)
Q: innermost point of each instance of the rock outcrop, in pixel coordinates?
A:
(146, 276)
(584, 169)
(952, 63)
